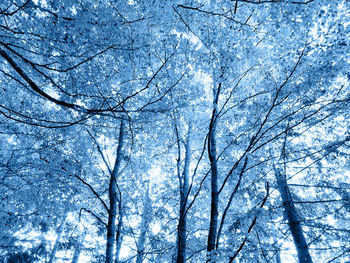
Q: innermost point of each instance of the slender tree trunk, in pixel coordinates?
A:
(119, 236)
(113, 199)
(78, 248)
(278, 257)
(147, 209)
(224, 214)
(57, 241)
(293, 220)
(278, 252)
(77, 252)
(184, 185)
(213, 227)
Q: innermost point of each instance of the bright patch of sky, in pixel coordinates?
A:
(191, 37)
(347, 173)
(81, 103)
(51, 105)
(43, 3)
(84, 258)
(125, 250)
(74, 10)
(51, 236)
(54, 94)
(11, 139)
(331, 220)
(108, 152)
(51, 92)
(206, 81)
(32, 237)
(155, 227)
(288, 252)
(155, 175)
(55, 53)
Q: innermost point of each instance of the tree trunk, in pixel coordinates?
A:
(278, 257)
(293, 220)
(278, 250)
(214, 177)
(113, 199)
(119, 232)
(57, 241)
(78, 249)
(184, 185)
(146, 213)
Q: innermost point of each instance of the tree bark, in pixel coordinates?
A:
(214, 176)
(78, 248)
(293, 219)
(230, 201)
(146, 213)
(113, 199)
(119, 236)
(57, 241)
(184, 185)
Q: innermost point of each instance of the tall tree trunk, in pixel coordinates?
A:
(57, 241)
(78, 248)
(119, 236)
(113, 199)
(147, 209)
(292, 217)
(278, 252)
(278, 257)
(214, 176)
(184, 185)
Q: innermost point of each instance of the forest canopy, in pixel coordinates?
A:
(175, 131)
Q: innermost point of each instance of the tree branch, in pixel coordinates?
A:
(93, 191)
(92, 213)
(251, 225)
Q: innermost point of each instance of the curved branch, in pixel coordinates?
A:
(251, 225)
(93, 191)
(38, 90)
(230, 201)
(93, 214)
